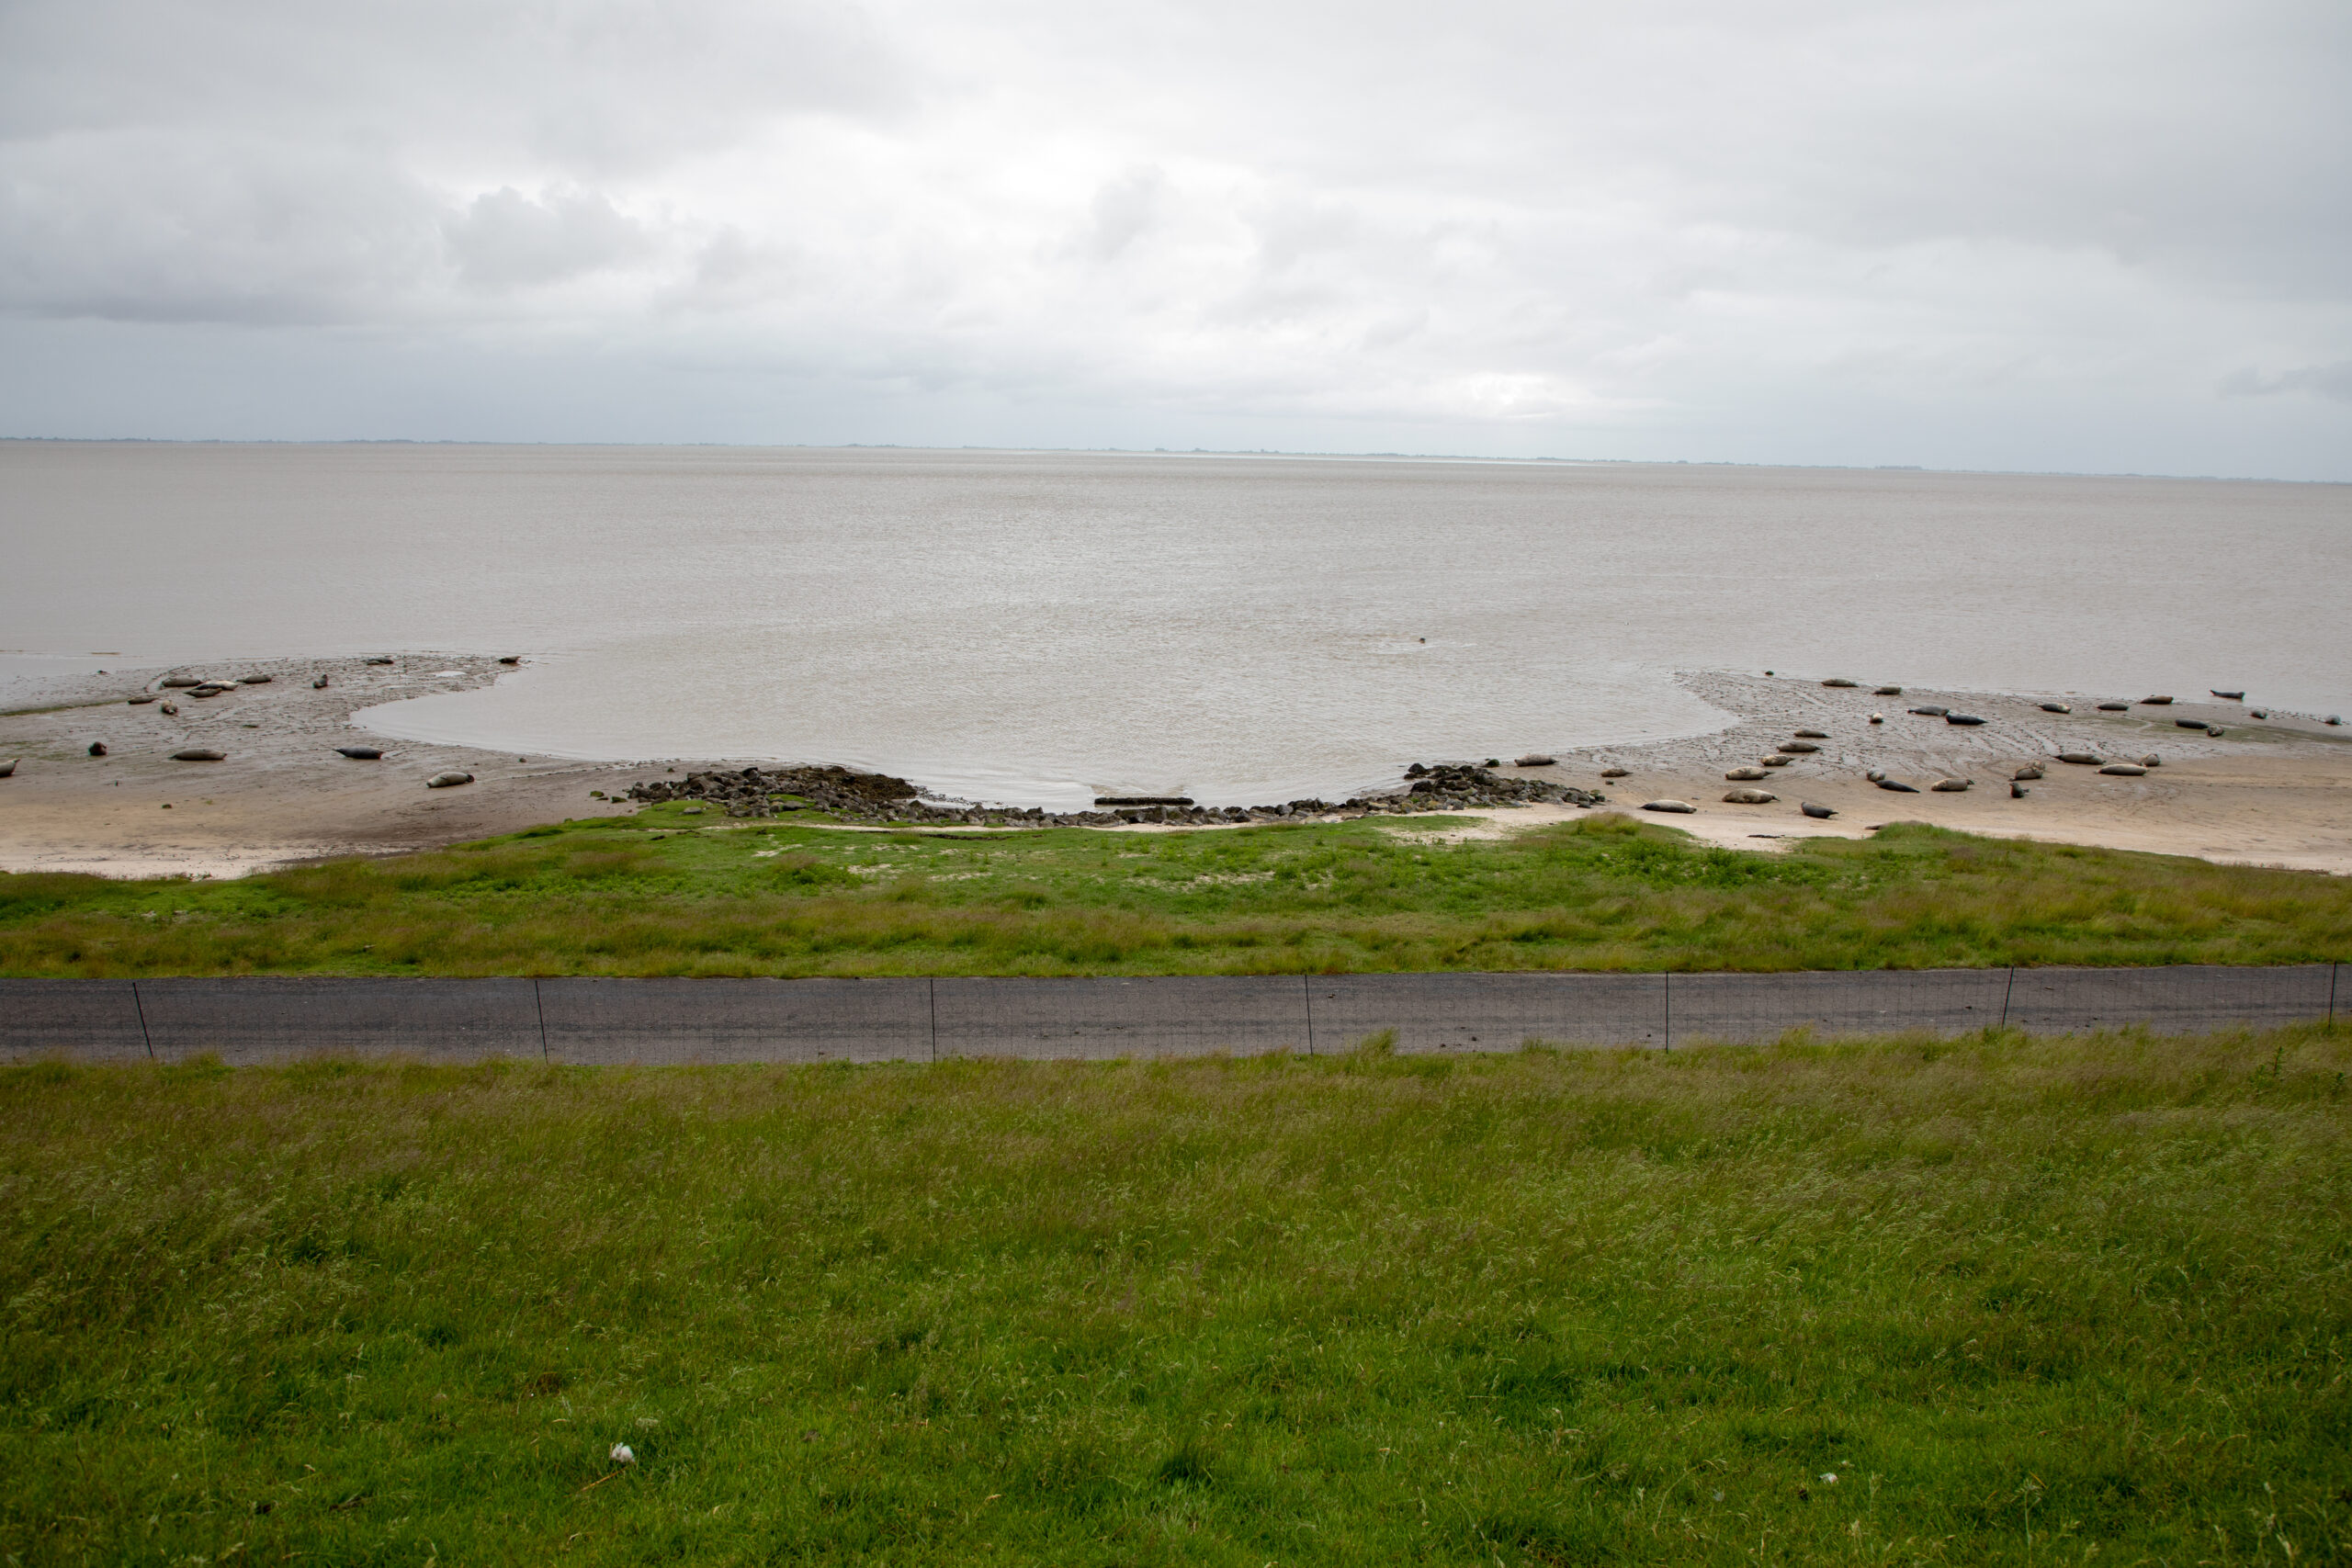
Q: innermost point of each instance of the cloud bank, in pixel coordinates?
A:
(1988, 234)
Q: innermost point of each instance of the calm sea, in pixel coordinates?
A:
(1036, 627)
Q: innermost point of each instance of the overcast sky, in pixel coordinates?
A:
(2056, 235)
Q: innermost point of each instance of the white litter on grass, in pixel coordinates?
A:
(621, 1454)
(1828, 1478)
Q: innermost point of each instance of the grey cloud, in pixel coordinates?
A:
(505, 240)
(1122, 209)
(2331, 381)
(146, 226)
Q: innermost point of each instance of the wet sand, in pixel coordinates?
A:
(2274, 793)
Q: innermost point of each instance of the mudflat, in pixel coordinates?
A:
(2275, 791)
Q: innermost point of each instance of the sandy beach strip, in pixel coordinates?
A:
(2272, 792)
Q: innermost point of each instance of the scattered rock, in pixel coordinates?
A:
(2030, 770)
(1931, 711)
(1613, 772)
(1739, 775)
(1898, 785)
(2081, 759)
(1888, 692)
(1418, 770)
(1679, 808)
(1750, 797)
(360, 754)
(254, 680)
(199, 754)
(2156, 702)
(1798, 748)
(1143, 800)
(1952, 786)
(2057, 707)
(1533, 760)
(1813, 735)
(2115, 707)
(142, 697)
(2231, 696)
(1841, 681)
(1961, 719)
(448, 780)
(2124, 770)
(97, 748)
(1814, 809)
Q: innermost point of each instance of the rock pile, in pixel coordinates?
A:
(878, 798)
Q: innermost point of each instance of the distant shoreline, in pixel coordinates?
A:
(1263, 455)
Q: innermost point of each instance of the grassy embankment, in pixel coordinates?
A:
(2027, 1300)
(665, 892)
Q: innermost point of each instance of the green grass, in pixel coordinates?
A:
(664, 893)
(2045, 1301)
